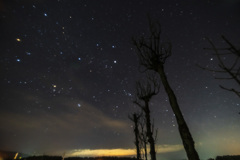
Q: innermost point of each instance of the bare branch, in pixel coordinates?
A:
(211, 70)
(145, 90)
(232, 70)
(232, 47)
(151, 51)
(231, 90)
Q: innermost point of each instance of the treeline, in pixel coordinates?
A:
(237, 157)
(100, 158)
(76, 158)
(45, 157)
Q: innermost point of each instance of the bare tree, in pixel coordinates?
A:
(144, 93)
(135, 118)
(152, 54)
(232, 70)
(143, 137)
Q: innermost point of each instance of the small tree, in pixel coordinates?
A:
(152, 54)
(135, 119)
(145, 91)
(143, 137)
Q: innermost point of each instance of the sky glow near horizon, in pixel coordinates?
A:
(68, 73)
(121, 152)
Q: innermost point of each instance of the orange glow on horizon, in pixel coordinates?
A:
(121, 151)
(103, 152)
(16, 156)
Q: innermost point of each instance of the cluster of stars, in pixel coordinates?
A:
(78, 57)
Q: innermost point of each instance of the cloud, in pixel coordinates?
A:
(168, 148)
(65, 129)
(85, 118)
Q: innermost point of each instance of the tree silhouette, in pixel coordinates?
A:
(152, 54)
(232, 70)
(135, 118)
(144, 92)
(143, 137)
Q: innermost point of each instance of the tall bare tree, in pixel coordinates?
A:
(135, 118)
(144, 93)
(228, 71)
(152, 54)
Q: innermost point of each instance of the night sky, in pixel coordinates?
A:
(68, 70)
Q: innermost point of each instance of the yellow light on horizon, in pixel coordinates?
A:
(121, 151)
(104, 152)
(16, 155)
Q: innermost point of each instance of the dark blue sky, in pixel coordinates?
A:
(68, 72)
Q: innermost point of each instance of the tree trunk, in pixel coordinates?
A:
(185, 134)
(136, 131)
(145, 150)
(149, 132)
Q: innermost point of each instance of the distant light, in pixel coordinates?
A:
(54, 85)
(113, 46)
(79, 58)
(15, 157)
(114, 61)
(211, 59)
(45, 14)
(79, 105)
(18, 60)
(18, 39)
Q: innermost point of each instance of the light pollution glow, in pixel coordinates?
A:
(121, 152)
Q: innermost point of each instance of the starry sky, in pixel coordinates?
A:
(68, 71)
